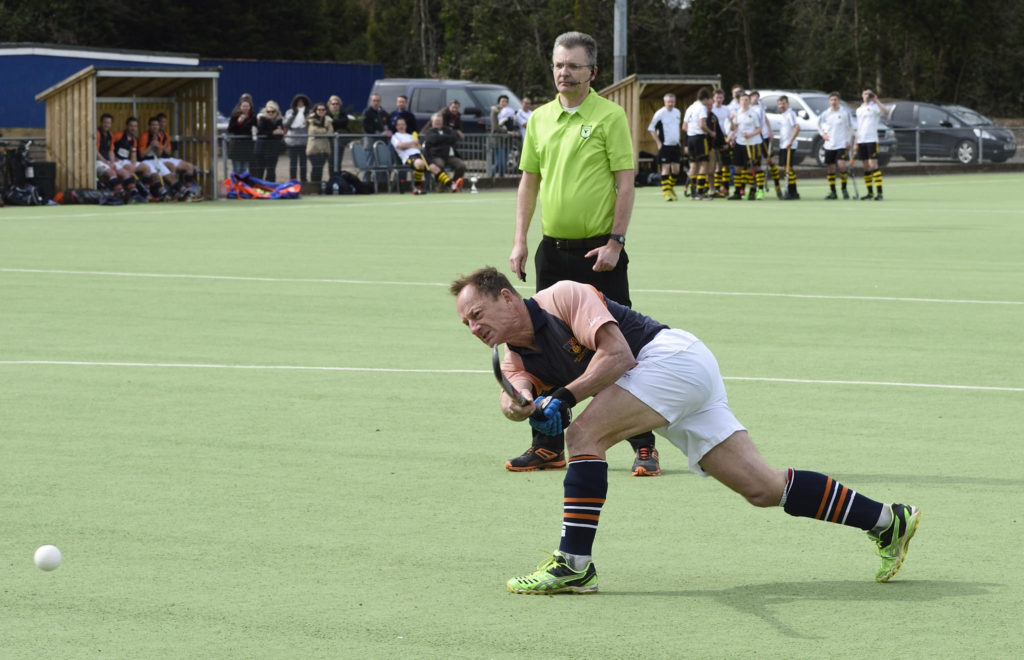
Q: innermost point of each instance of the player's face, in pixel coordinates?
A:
(400, 103)
(154, 126)
(400, 126)
(106, 123)
(833, 102)
(489, 319)
(744, 101)
(570, 69)
(719, 99)
(670, 102)
(437, 121)
(375, 101)
(132, 127)
(783, 105)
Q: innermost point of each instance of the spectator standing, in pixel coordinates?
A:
(523, 115)
(452, 116)
(375, 122)
(241, 129)
(318, 144)
(269, 142)
(402, 110)
(503, 124)
(339, 122)
(296, 121)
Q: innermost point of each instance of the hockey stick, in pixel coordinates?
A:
(504, 382)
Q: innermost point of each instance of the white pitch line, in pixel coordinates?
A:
(689, 292)
(284, 367)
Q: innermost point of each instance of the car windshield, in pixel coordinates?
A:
(968, 116)
(488, 96)
(818, 103)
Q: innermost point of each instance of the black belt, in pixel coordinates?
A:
(578, 243)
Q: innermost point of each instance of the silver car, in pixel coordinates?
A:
(808, 104)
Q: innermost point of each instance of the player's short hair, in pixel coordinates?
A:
(575, 40)
(718, 90)
(402, 96)
(487, 280)
(704, 93)
(784, 98)
(670, 95)
(503, 96)
(743, 93)
(105, 115)
(835, 94)
(153, 119)
(130, 120)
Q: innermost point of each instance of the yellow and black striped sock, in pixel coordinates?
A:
(672, 178)
(832, 181)
(878, 181)
(417, 175)
(775, 174)
(869, 181)
(702, 184)
(842, 179)
(760, 178)
(443, 179)
(666, 184)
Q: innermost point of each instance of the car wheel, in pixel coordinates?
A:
(818, 149)
(965, 152)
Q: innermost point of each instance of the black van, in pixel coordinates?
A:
(429, 95)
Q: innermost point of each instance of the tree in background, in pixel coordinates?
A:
(935, 50)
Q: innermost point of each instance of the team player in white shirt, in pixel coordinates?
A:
(665, 128)
(766, 144)
(745, 137)
(720, 143)
(836, 127)
(788, 129)
(408, 149)
(698, 144)
(867, 141)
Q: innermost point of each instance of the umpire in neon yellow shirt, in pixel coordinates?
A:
(578, 157)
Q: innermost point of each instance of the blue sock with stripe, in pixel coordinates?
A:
(585, 485)
(819, 496)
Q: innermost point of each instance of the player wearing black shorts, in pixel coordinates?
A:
(664, 128)
(698, 143)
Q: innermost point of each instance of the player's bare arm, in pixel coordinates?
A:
(526, 204)
(612, 358)
(608, 254)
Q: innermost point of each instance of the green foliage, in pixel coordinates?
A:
(952, 50)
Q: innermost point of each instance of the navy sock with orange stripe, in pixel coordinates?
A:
(585, 485)
(819, 496)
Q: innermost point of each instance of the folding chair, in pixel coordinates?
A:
(363, 162)
(387, 161)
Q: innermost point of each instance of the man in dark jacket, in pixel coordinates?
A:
(439, 148)
(375, 120)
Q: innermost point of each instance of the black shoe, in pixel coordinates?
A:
(868, 196)
(832, 195)
(846, 195)
(736, 195)
(536, 458)
(878, 197)
(778, 192)
(646, 463)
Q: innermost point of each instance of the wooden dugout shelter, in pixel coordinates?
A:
(188, 96)
(641, 95)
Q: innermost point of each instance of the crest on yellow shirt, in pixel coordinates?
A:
(585, 131)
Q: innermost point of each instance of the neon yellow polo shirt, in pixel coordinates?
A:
(576, 155)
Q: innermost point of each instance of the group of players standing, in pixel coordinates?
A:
(726, 143)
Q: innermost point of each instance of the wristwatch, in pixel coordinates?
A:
(618, 238)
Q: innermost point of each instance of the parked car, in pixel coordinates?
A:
(808, 105)
(428, 95)
(948, 131)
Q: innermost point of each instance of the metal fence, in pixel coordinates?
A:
(486, 155)
(495, 157)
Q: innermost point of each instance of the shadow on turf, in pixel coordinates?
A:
(768, 602)
(930, 480)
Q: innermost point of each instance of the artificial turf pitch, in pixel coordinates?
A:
(258, 429)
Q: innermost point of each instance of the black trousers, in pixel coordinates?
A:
(554, 264)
